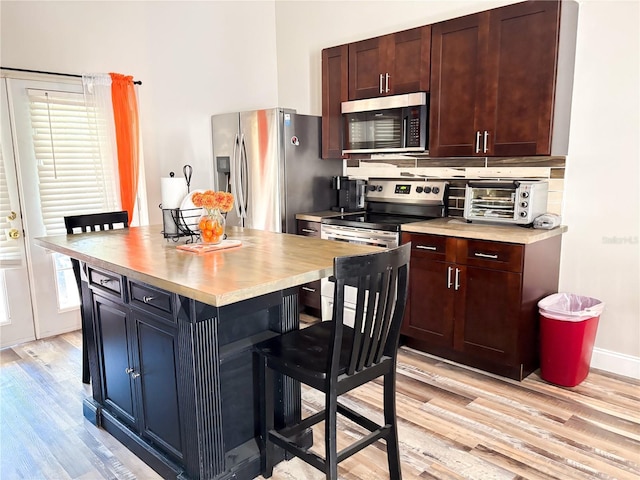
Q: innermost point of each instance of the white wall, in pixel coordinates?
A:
(194, 59)
(602, 177)
(204, 57)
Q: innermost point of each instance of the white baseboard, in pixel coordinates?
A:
(617, 363)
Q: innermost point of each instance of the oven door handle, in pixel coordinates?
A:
(360, 239)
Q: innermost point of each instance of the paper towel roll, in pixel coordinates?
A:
(172, 190)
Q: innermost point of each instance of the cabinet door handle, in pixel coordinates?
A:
(486, 142)
(128, 370)
(135, 374)
(147, 299)
(307, 289)
(426, 247)
(387, 83)
(457, 285)
(449, 270)
(308, 230)
(381, 78)
(485, 255)
(478, 141)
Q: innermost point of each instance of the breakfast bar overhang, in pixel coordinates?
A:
(170, 336)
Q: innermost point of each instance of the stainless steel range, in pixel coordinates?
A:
(390, 203)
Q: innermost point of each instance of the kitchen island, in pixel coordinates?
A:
(170, 337)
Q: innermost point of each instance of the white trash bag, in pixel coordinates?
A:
(570, 307)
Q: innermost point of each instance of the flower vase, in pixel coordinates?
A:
(211, 226)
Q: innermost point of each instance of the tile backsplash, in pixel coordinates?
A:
(458, 171)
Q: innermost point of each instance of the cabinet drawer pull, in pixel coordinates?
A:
(449, 270)
(486, 255)
(426, 247)
(103, 281)
(308, 230)
(307, 289)
(147, 299)
(457, 285)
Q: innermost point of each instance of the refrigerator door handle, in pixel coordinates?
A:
(234, 164)
(244, 177)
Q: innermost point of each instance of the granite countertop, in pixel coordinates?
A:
(458, 227)
(266, 262)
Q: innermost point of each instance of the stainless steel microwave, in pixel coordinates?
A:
(397, 123)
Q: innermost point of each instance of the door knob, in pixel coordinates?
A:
(12, 216)
(14, 233)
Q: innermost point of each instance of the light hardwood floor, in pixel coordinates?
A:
(454, 422)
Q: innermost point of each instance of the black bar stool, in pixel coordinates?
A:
(91, 223)
(335, 358)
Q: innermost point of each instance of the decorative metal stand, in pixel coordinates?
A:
(179, 223)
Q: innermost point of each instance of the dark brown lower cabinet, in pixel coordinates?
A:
(475, 301)
(310, 292)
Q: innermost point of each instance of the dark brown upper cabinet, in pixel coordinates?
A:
(335, 90)
(390, 64)
(501, 81)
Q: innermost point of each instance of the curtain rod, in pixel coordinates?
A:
(138, 82)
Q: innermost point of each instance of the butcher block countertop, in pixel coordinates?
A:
(265, 262)
(454, 227)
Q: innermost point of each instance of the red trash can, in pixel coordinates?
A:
(568, 325)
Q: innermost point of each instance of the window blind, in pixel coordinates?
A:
(76, 176)
(10, 255)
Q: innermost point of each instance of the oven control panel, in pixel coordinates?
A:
(421, 191)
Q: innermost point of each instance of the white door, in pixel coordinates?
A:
(42, 168)
(16, 316)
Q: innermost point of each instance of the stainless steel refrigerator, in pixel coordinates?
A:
(270, 161)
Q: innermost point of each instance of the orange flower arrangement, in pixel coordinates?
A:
(211, 200)
(211, 224)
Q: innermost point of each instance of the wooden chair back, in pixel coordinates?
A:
(381, 280)
(94, 222)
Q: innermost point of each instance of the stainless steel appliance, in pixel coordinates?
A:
(390, 203)
(270, 161)
(511, 202)
(348, 194)
(397, 123)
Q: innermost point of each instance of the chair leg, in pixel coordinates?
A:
(266, 418)
(330, 429)
(393, 451)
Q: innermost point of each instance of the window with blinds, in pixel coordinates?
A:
(10, 254)
(75, 173)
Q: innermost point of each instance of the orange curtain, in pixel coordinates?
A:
(125, 112)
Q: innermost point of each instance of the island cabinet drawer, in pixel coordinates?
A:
(494, 255)
(151, 299)
(105, 281)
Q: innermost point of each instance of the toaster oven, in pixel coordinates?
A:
(510, 202)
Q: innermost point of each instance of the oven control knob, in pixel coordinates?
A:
(523, 214)
(427, 189)
(435, 189)
(524, 204)
(419, 189)
(372, 188)
(525, 195)
(379, 188)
